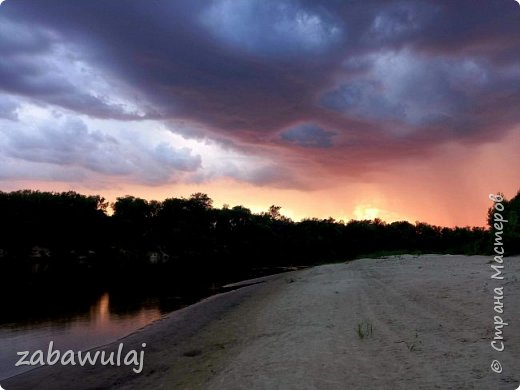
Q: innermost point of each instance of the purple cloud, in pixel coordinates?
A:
(308, 136)
(379, 73)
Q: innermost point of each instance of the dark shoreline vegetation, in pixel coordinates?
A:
(68, 243)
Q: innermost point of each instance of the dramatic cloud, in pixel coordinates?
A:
(69, 145)
(251, 91)
(272, 28)
(416, 90)
(68, 148)
(308, 136)
(37, 63)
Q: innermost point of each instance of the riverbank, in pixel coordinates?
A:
(403, 322)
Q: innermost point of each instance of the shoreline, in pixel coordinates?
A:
(104, 343)
(181, 325)
(301, 330)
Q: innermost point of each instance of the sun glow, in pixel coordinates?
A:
(363, 212)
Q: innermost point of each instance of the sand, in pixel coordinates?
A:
(403, 322)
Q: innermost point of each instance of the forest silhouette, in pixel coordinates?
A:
(69, 240)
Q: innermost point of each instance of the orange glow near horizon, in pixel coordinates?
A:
(450, 189)
(320, 204)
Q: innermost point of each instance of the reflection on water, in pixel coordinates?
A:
(103, 323)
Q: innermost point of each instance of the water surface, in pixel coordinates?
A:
(101, 323)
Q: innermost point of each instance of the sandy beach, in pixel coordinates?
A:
(402, 322)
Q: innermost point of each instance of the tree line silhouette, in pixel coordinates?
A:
(68, 239)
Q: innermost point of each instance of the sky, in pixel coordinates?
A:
(399, 110)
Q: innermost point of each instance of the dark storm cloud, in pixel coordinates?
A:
(33, 78)
(273, 29)
(168, 51)
(308, 135)
(424, 71)
(34, 64)
(416, 90)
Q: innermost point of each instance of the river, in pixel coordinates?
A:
(101, 323)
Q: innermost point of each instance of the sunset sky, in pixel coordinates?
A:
(402, 110)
